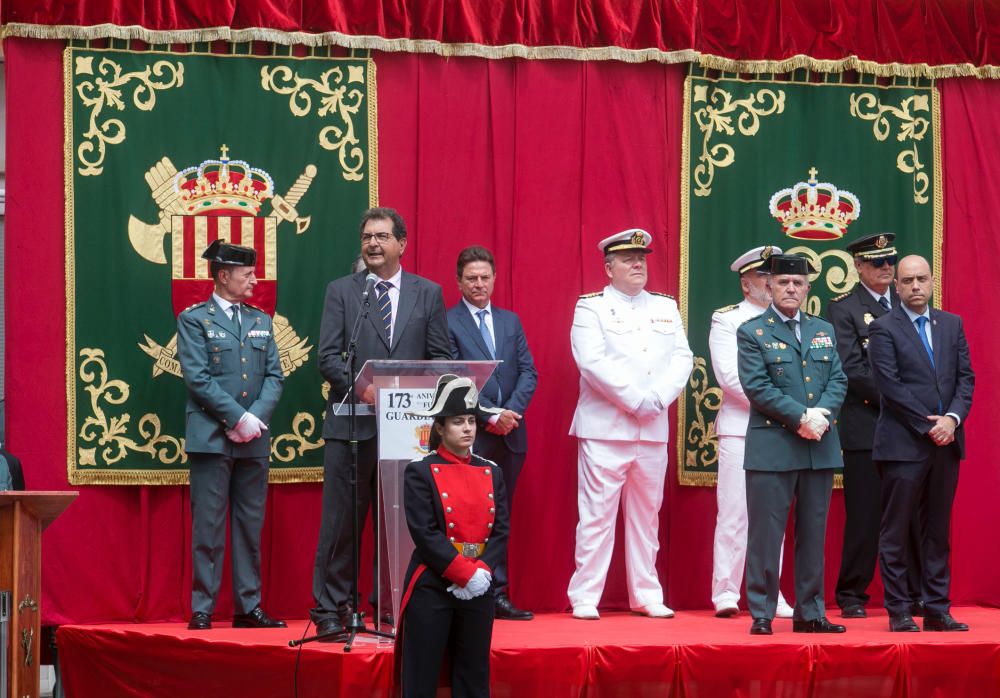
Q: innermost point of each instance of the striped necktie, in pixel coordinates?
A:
(385, 307)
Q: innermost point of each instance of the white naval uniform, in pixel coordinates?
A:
(628, 349)
(730, 547)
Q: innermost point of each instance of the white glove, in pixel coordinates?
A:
(649, 407)
(816, 417)
(460, 593)
(480, 583)
(247, 429)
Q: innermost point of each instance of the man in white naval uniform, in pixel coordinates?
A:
(730, 548)
(634, 361)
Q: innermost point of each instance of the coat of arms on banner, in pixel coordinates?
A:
(166, 152)
(219, 200)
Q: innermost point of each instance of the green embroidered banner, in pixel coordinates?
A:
(166, 152)
(804, 166)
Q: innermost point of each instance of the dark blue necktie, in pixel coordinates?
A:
(884, 302)
(385, 307)
(922, 331)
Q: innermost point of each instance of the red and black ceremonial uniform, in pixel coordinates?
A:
(457, 515)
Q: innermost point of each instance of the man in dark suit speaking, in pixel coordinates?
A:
(920, 363)
(407, 321)
(480, 331)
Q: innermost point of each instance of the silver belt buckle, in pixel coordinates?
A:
(470, 550)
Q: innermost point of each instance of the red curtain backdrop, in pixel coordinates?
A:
(936, 32)
(536, 159)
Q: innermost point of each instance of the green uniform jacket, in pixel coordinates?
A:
(782, 378)
(226, 376)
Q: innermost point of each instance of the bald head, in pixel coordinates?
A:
(914, 283)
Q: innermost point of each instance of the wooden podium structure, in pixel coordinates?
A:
(23, 517)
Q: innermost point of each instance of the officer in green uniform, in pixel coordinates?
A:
(230, 364)
(791, 373)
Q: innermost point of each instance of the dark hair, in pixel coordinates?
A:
(390, 214)
(435, 438)
(475, 253)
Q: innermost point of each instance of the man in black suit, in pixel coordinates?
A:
(851, 314)
(920, 363)
(480, 331)
(406, 321)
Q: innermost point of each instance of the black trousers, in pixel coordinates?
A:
(332, 571)
(859, 555)
(492, 447)
(927, 487)
(437, 625)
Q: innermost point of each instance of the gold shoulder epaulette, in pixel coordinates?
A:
(727, 308)
(195, 305)
(595, 294)
(251, 305)
(665, 295)
(842, 296)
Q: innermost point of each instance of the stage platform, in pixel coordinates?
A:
(693, 654)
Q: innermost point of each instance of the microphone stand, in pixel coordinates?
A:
(356, 625)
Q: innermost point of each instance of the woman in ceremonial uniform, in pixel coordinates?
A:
(456, 512)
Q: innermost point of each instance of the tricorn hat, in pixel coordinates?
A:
(456, 396)
(228, 253)
(791, 264)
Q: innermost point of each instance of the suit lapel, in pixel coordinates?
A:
(222, 319)
(910, 330)
(472, 328)
(373, 316)
(779, 329)
(404, 308)
(937, 341)
(498, 330)
(869, 302)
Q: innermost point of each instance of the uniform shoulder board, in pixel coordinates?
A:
(727, 308)
(749, 320)
(195, 305)
(664, 295)
(251, 305)
(841, 297)
(595, 294)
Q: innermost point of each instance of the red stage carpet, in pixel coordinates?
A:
(693, 654)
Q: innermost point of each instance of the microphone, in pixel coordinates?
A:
(370, 282)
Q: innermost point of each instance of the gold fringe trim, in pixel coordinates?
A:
(910, 70)
(600, 53)
(102, 476)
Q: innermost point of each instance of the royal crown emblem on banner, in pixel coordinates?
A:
(219, 199)
(815, 210)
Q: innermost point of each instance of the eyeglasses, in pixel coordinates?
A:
(880, 262)
(379, 237)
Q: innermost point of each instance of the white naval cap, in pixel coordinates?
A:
(631, 239)
(752, 259)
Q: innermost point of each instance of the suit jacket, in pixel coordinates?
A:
(227, 374)
(734, 414)
(782, 377)
(912, 389)
(14, 466)
(421, 332)
(851, 314)
(627, 349)
(515, 378)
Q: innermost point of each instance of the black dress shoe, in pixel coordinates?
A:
(855, 610)
(917, 609)
(331, 630)
(200, 621)
(761, 626)
(817, 625)
(256, 619)
(902, 624)
(943, 623)
(506, 610)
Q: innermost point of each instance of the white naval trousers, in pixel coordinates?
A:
(730, 547)
(610, 471)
